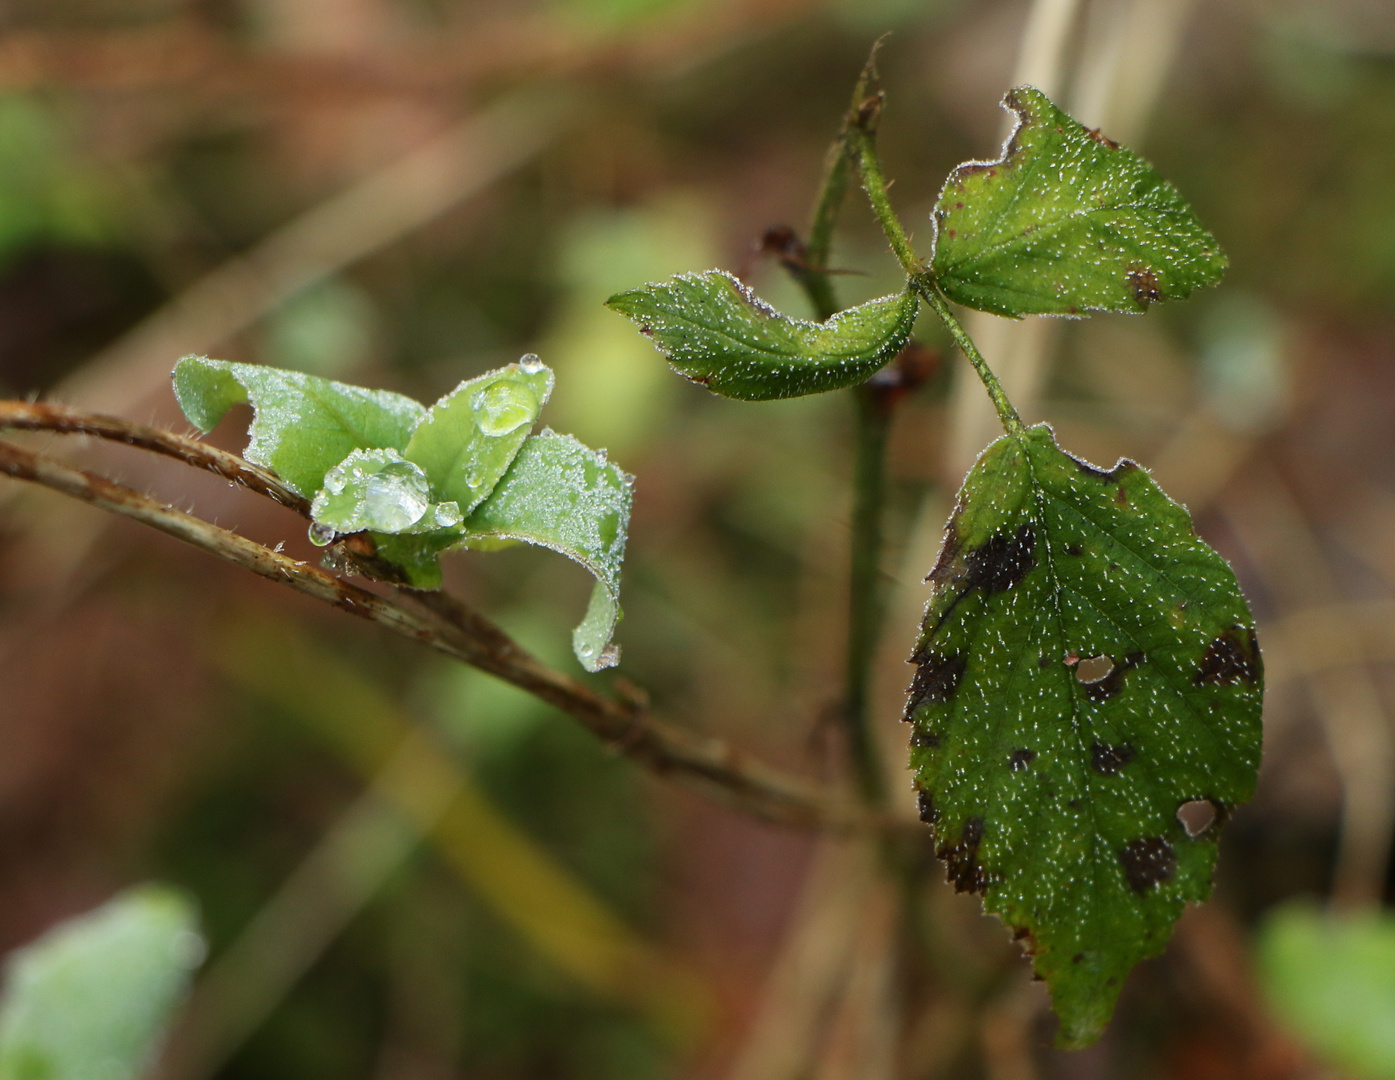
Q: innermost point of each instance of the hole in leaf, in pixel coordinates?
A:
(1197, 816)
(1093, 668)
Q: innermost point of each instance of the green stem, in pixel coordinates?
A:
(923, 278)
(926, 286)
(865, 589)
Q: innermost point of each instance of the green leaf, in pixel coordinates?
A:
(1066, 222)
(91, 998)
(1056, 797)
(378, 490)
(304, 425)
(561, 495)
(1331, 977)
(470, 436)
(716, 332)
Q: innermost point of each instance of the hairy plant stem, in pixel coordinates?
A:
(922, 279)
(452, 628)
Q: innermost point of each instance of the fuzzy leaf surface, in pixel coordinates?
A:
(92, 997)
(471, 435)
(562, 495)
(1057, 798)
(303, 425)
(716, 332)
(1066, 222)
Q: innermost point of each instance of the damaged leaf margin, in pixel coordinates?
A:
(1058, 797)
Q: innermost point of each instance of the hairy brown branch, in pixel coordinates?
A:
(712, 764)
(32, 416)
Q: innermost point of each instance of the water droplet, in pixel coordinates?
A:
(320, 535)
(395, 498)
(504, 407)
(531, 364)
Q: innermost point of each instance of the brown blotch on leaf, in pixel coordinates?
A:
(922, 738)
(949, 550)
(1121, 467)
(1231, 658)
(1148, 862)
(1101, 138)
(936, 679)
(1144, 283)
(1121, 497)
(1002, 561)
(1109, 760)
(1020, 759)
(1077, 958)
(1072, 549)
(1105, 688)
(961, 860)
(925, 807)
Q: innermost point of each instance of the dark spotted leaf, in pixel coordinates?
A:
(1066, 222)
(1086, 711)
(716, 332)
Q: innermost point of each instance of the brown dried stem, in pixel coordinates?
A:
(724, 771)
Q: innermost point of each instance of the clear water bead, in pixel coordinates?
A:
(503, 407)
(395, 498)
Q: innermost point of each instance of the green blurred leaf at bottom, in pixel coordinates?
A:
(91, 999)
(562, 495)
(1086, 669)
(1331, 977)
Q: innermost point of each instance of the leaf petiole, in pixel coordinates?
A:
(922, 279)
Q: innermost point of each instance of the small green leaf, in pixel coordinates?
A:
(716, 332)
(561, 495)
(1331, 977)
(470, 436)
(303, 425)
(380, 491)
(92, 997)
(1066, 222)
(1087, 692)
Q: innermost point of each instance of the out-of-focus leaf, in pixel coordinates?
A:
(716, 332)
(304, 425)
(91, 998)
(381, 491)
(470, 436)
(561, 495)
(1087, 667)
(1066, 222)
(1332, 979)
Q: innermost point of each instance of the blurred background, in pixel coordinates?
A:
(408, 871)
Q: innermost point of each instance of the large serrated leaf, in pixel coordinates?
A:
(303, 425)
(1059, 798)
(92, 997)
(470, 436)
(716, 332)
(1066, 222)
(561, 495)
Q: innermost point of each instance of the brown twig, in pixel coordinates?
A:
(31, 416)
(730, 774)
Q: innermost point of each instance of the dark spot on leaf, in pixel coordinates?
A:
(959, 206)
(952, 234)
(925, 739)
(647, 330)
(961, 859)
(1121, 467)
(1108, 759)
(949, 550)
(1020, 759)
(1002, 561)
(1103, 689)
(1072, 549)
(1231, 658)
(1147, 862)
(1198, 815)
(1121, 497)
(936, 678)
(1144, 283)
(1044, 662)
(1077, 958)
(925, 807)
(1101, 138)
